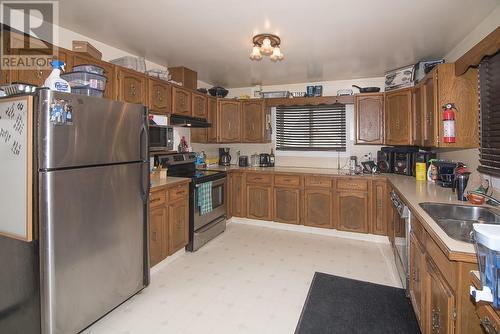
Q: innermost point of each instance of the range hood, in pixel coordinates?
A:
(189, 122)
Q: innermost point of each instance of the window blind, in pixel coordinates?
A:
(489, 97)
(311, 128)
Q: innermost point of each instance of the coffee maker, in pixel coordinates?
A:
(224, 157)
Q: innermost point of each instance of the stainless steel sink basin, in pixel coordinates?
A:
(456, 220)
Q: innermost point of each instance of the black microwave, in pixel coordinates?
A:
(161, 138)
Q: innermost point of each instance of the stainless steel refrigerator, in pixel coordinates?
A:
(89, 251)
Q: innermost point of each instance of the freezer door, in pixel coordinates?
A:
(96, 131)
(93, 242)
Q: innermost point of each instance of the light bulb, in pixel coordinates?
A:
(277, 55)
(266, 48)
(255, 55)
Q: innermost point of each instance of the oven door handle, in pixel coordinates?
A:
(217, 182)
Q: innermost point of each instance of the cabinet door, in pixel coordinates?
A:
(38, 74)
(429, 108)
(178, 223)
(229, 119)
(159, 93)
(157, 234)
(181, 101)
(352, 211)
(131, 86)
(398, 117)
(199, 105)
(441, 303)
(109, 72)
(369, 118)
(417, 263)
(253, 121)
(286, 205)
(236, 194)
(379, 208)
(417, 128)
(199, 135)
(318, 208)
(212, 118)
(259, 202)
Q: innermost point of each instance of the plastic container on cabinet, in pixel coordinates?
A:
(85, 80)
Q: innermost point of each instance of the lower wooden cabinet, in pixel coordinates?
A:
(352, 211)
(168, 222)
(259, 201)
(441, 308)
(286, 205)
(236, 195)
(318, 208)
(178, 223)
(379, 196)
(158, 240)
(417, 277)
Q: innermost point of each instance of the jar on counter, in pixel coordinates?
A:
(255, 160)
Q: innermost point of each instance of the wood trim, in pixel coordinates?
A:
(486, 47)
(305, 101)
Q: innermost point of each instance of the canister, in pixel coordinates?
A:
(420, 171)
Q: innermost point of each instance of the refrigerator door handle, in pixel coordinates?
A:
(144, 143)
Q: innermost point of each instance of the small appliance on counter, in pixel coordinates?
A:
(385, 159)
(243, 161)
(224, 156)
(445, 173)
(403, 162)
(264, 160)
(487, 238)
(255, 160)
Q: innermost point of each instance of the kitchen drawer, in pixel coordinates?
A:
(260, 178)
(318, 181)
(178, 192)
(157, 198)
(287, 180)
(352, 184)
(488, 317)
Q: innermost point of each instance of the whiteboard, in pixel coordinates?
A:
(16, 178)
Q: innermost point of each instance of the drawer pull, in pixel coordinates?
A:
(180, 192)
(155, 199)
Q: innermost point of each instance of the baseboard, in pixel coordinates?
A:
(312, 230)
(169, 259)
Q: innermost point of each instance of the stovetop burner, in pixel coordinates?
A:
(183, 165)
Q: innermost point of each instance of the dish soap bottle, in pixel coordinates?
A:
(54, 81)
(271, 158)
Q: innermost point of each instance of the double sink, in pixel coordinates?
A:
(456, 220)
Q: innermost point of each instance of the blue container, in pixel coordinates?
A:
(488, 256)
(310, 91)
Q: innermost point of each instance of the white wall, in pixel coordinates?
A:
(304, 159)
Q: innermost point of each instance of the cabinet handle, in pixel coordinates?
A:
(180, 192)
(155, 236)
(158, 95)
(132, 90)
(488, 326)
(155, 200)
(435, 320)
(39, 74)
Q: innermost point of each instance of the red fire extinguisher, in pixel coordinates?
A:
(449, 123)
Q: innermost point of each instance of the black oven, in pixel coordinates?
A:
(161, 138)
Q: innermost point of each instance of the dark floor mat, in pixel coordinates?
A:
(341, 305)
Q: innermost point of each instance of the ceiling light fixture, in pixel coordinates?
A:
(266, 45)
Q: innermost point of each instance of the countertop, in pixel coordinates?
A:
(157, 182)
(412, 192)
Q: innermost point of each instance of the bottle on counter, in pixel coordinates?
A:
(271, 158)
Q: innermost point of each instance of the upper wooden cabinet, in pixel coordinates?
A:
(199, 106)
(160, 96)
(441, 86)
(229, 121)
(212, 119)
(398, 117)
(417, 109)
(369, 118)
(181, 101)
(132, 86)
(255, 122)
(110, 70)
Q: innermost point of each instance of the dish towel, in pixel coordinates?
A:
(205, 197)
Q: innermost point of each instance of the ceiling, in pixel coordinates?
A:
(322, 39)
